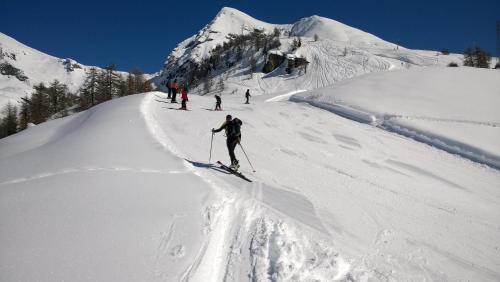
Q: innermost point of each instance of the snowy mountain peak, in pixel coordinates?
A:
(333, 30)
(229, 49)
(230, 20)
(231, 13)
(227, 21)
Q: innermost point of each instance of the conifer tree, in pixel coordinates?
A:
(9, 121)
(476, 57)
(58, 97)
(123, 89)
(88, 91)
(24, 113)
(141, 84)
(276, 33)
(108, 84)
(146, 87)
(130, 82)
(39, 104)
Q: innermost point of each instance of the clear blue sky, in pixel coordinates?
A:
(141, 33)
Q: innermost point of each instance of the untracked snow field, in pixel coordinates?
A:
(125, 192)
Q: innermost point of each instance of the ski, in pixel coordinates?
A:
(237, 173)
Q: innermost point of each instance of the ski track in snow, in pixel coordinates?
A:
(87, 169)
(263, 241)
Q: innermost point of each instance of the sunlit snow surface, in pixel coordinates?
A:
(124, 192)
(451, 108)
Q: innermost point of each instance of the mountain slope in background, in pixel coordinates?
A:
(341, 52)
(22, 67)
(332, 30)
(227, 21)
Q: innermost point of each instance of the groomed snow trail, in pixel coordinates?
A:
(248, 236)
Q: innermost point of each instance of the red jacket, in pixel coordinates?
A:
(184, 95)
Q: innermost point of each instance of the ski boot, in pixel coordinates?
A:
(235, 165)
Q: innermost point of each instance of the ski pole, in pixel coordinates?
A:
(246, 156)
(211, 141)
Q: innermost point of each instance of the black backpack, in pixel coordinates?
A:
(233, 128)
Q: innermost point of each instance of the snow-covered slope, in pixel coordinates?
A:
(336, 31)
(227, 21)
(341, 52)
(124, 192)
(36, 67)
(451, 108)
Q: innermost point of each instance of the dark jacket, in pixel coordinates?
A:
(232, 129)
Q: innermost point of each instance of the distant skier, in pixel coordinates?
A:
(169, 89)
(247, 95)
(218, 102)
(184, 97)
(174, 87)
(233, 134)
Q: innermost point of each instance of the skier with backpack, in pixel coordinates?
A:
(218, 102)
(233, 134)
